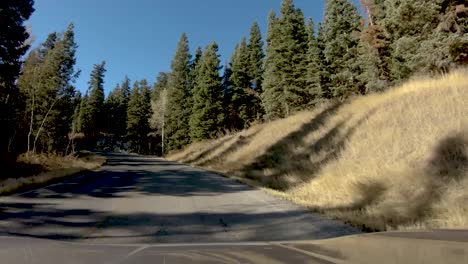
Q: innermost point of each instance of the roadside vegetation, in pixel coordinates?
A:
(394, 160)
(315, 102)
(33, 170)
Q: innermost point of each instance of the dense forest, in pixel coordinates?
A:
(297, 65)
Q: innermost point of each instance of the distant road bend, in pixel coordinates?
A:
(137, 199)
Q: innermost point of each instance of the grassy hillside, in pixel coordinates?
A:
(386, 161)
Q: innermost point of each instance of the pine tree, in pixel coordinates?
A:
(256, 56)
(314, 67)
(285, 84)
(145, 116)
(178, 130)
(77, 101)
(406, 37)
(139, 112)
(193, 69)
(272, 95)
(241, 97)
(341, 25)
(116, 105)
(84, 115)
(95, 102)
(110, 110)
(324, 65)
(133, 118)
(207, 114)
(293, 60)
(122, 105)
(13, 43)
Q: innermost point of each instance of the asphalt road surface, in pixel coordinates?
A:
(137, 199)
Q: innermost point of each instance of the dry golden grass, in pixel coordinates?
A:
(395, 160)
(35, 169)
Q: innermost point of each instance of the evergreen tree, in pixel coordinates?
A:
(116, 105)
(256, 56)
(139, 113)
(133, 118)
(314, 68)
(95, 102)
(341, 25)
(207, 113)
(285, 84)
(272, 95)
(84, 116)
(145, 113)
(13, 43)
(242, 98)
(110, 110)
(405, 37)
(179, 93)
(193, 69)
(374, 48)
(293, 58)
(77, 103)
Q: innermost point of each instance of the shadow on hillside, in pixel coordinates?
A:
(240, 142)
(292, 155)
(447, 164)
(219, 143)
(450, 158)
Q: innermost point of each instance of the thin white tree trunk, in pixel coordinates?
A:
(42, 125)
(31, 121)
(162, 138)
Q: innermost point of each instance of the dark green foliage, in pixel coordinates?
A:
(314, 64)
(13, 45)
(341, 28)
(139, 113)
(207, 113)
(179, 93)
(95, 103)
(242, 96)
(116, 105)
(77, 103)
(256, 56)
(83, 116)
(285, 87)
(272, 95)
(406, 37)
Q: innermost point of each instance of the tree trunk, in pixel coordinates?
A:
(42, 125)
(31, 122)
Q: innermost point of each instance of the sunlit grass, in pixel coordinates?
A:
(395, 160)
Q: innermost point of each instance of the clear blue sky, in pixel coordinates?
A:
(138, 38)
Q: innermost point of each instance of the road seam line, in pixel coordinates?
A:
(312, 254)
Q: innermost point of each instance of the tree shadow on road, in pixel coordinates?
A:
(129, 175)
(42, 220)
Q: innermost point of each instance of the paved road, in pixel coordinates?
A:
(136, 199)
